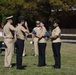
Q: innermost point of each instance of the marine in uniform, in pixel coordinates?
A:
(20, 42)
(56, 44)
(37, 30)
(9, 41)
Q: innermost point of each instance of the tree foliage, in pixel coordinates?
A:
(34, 9)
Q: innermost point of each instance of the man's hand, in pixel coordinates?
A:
(39, 36)
(26, 25)
(53, 37)
(31, 42)
(27, 31)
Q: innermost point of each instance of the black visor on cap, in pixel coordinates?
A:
(42, 21)
(56, 21)
(20, 19)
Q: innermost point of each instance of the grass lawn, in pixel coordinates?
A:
(68, 59)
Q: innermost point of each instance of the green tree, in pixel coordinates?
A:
(35, 9)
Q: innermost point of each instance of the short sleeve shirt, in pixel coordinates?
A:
(43, 31)
(37, 30)
(7, 31)
(19, 32)
(56, 32)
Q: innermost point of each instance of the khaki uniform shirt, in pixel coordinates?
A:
(37, 30)
(19, 33)
(43, 31)
(57, 32)
(7, 31)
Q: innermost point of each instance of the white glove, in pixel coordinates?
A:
(31, 42)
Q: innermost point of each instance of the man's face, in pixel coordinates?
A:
(38, 24)
(11, 21)
(55, 24)
(41, 24)
(22, 22)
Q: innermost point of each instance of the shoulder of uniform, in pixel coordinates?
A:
(11, 25)
(58, 28)
(34, 28)
(20, 26)
(5, 25)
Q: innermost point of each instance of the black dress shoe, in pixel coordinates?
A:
(41, 65)
(21, 68)
(57, 67)
(54, 66)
